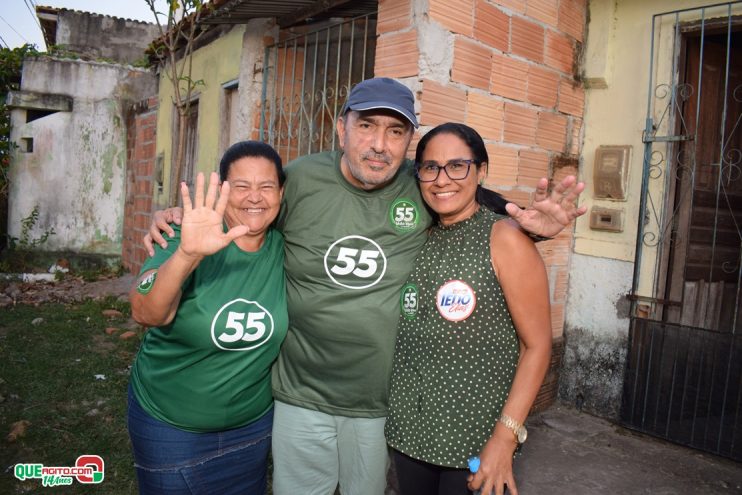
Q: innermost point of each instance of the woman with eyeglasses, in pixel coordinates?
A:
(474, 338)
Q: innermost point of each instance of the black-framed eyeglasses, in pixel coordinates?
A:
(457, 169)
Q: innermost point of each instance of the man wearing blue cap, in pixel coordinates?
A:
(353, 222)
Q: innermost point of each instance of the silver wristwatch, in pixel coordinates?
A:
(518, 429)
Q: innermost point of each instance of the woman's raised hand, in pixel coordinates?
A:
(202, 232)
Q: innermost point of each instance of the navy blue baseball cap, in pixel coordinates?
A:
(382, 92)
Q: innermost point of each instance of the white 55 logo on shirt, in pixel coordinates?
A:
(355, 262)
(241, 325)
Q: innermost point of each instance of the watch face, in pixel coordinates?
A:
(522, 434)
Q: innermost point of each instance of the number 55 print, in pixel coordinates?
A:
(241, 325)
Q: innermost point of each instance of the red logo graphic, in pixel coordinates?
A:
(92, 461)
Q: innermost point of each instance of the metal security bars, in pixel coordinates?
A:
(306, 80)
(684, 379)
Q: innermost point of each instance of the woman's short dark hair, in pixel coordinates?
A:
(247, 149)
(485, 197)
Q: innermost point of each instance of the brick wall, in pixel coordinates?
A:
(140, 165)
(506, 68)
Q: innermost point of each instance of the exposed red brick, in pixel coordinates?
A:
(527, 39)
(571, 98)
(509, 77)
(572, 15)
(518, 196)
(560, 286)
(560, 52)
(554, 252)
(575, 143)
(491, 25)
(397, 55)
(394, 15)
(557, 318)
(546, 11)
(532, 165)
(562, 167)
(141, 137)
(552, 131)
(514, 5)
(485, 114)
(503, 166)
(412, 148)
(469, 57)
(543, 87)
(439, 104)
(520, 124)
(456, 15)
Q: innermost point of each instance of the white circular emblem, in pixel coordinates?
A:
(241, 325)
(355, 262)
(455, 300)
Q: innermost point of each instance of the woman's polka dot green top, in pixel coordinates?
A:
(451, 378)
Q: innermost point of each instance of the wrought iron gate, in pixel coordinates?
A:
(306, 80)
(684, 366)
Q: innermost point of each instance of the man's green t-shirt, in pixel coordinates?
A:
(348, 252)
(209, 369)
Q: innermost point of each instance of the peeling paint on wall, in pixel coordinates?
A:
(76, 170)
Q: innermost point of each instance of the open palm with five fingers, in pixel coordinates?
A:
(202, 231)
(549, 214)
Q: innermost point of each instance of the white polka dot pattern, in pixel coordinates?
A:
(450, 379)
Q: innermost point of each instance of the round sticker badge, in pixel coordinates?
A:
(147, 282)
(404, 215)
(455, 300)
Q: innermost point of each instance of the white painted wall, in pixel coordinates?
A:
(75, 173)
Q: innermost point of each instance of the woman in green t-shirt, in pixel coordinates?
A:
(200, 402)
(474, 336)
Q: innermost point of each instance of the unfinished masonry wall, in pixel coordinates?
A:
(508, 69)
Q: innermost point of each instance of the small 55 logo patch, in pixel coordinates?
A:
(404, 215)
(408, 301)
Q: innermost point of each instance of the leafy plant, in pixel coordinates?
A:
(25, 241)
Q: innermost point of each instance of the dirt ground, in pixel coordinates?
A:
(71, 289)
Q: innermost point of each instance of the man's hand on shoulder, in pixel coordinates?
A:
(161, 220)
(549, 214)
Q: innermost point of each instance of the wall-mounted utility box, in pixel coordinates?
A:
(611, 172)
(609, 219)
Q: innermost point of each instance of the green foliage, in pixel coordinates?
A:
(11, 63)
(19, 257)
(25, 241)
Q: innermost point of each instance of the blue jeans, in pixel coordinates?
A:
(172, 461)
